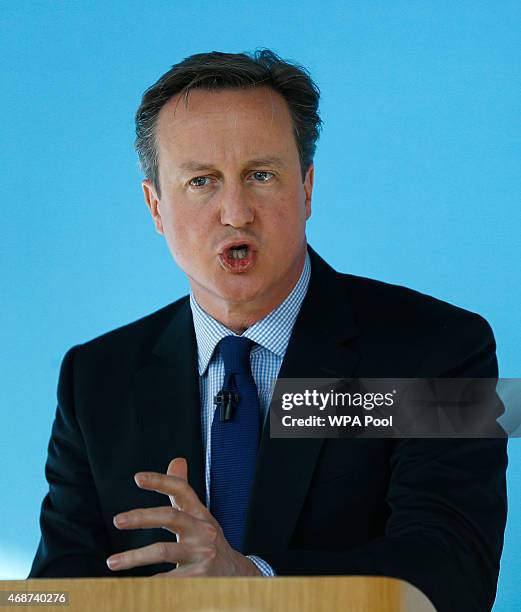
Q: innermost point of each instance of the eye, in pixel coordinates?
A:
(262, 176)
(199, 181)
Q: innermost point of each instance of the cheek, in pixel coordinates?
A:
(288, 217)
(190, 243)
(177, 233)
(180, 223)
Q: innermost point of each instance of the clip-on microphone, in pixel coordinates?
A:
(226, 401)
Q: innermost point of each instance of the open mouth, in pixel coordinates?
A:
(238, 258)
(238, 252)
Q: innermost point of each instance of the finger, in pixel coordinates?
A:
(189, 570)
(185, 498)
(177, 467)
(160, 552)
(164, 517)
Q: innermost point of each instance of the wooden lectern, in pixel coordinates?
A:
(284, 594)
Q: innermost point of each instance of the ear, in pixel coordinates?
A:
(308, 189)
(152, 201)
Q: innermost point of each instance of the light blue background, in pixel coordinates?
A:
(417, 182)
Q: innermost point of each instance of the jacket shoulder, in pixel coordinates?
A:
(133, 339)
(389, 304)
(411, 327)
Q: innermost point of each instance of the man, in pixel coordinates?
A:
(226, 143)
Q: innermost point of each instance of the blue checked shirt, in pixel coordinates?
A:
(271, 336)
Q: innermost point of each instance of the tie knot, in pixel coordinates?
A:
(235, 351)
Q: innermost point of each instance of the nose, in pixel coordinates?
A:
(235, 208)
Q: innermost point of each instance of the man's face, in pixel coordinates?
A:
(233, 206)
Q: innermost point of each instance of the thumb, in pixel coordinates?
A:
(178, 467)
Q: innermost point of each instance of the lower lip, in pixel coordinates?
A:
(238, 266)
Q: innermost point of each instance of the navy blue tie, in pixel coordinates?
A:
(235, 440)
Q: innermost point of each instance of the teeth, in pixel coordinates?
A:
(238, 253)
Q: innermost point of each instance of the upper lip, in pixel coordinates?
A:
(235, 242)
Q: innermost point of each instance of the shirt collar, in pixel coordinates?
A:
(272, 332)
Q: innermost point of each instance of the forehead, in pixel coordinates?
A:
(230, 122)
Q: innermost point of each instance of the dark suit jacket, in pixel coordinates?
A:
(429, 511)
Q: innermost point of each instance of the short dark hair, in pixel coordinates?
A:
(218, 70)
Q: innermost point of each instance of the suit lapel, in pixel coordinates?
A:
(318, 348)
(166, 392)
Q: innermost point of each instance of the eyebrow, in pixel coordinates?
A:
(195, 166)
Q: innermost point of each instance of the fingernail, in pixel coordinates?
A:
(113, 562)
(120, 521)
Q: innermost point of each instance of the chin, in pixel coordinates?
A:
(240, 289)
(241, 295)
